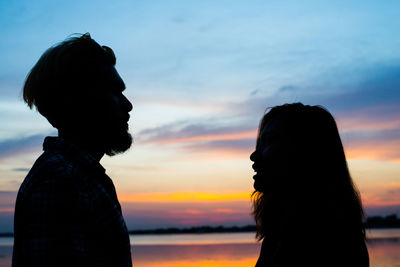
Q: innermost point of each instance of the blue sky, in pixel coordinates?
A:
(200, 75)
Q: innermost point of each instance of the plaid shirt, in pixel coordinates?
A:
(67, 212)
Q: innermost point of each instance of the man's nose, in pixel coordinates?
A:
(127, 104)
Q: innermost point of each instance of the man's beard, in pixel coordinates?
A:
(117, 142)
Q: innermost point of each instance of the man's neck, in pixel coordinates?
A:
(83, 143)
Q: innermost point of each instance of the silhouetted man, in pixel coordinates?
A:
(67, 212)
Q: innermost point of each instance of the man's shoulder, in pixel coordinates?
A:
(48, 168)
(51, 171)
(52, 164)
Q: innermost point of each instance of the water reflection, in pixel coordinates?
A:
(193, 239)
(212, 255)
(214, 251)
(384, 253)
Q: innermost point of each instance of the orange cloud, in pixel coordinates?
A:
(189, 211)
(389, 195)
(184, 197)
(7, 209)
(377, 150)
(361, 121)
(378, 201)
(169, 209)
(225, 211)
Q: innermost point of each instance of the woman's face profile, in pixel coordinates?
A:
(270, 156)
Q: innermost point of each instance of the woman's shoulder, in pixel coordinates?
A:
(314, 249)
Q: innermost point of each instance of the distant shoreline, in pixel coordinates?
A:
(196, 230)
(376, 222)
(190, 230)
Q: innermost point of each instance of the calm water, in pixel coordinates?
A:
(231, 249)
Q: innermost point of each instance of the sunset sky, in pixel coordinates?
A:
(200, 75)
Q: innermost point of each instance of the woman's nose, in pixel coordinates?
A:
(253, 156)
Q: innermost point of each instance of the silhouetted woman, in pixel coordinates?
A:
(306, 207)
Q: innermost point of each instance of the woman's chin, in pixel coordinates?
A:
(257, 186)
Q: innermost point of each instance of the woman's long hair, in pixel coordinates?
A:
(316, 183)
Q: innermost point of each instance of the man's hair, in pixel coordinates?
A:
(62, 72)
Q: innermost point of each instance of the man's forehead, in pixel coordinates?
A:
(107, 74)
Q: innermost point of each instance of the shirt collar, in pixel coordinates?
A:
(52, 143)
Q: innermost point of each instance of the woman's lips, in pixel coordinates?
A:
(258, 174)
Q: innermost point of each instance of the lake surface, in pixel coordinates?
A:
(226, 249)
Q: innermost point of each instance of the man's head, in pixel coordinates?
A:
(76, 87)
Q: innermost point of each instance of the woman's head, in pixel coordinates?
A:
(299, 162)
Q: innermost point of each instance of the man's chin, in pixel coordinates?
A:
(119, 144)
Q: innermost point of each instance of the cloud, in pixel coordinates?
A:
(287, 88)
(365, 102)
(142, 215)
(21, 169)
(184, 218)
(373, 91)
(366, 108)
(12, 147)
(363, 121)
(254, 92)
(238, 148)
(381, 152)
(381, 143)
(7, 199)
(373, 136)
(185, 132)
(210, 138)
(182, 209)
(379, 87)
(7, 204)
(389, 196)
(184, 197)
(149, 210)
(6, 222)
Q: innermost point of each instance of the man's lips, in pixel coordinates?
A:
(126, 118)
